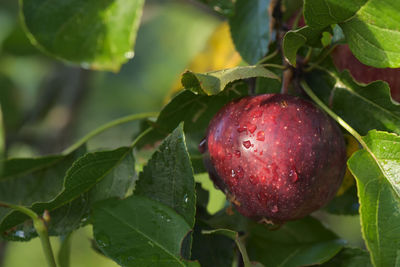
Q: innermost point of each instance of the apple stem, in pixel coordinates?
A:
(277, 66)
(287, 77)
(268, 57)
(338, 119)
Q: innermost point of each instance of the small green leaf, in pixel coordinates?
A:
(350, 257)
(372, 32)
(168, 177)
(295, 39)
(214, 82)
(138, 231)
(291, 44)
(297, 243)
(377, 181)
(95, 34)
(250, 29)
(319, 13)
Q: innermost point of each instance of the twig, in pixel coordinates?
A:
(106, 127)
(41, 229)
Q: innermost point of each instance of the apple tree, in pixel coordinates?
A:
(341, 59)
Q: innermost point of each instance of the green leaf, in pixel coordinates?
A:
(372, 32)
(211, 250)
(25, 181)
(85, 173)
(212, 83)
(319, 13)
(138, 231)
(364, 107)
(95, 34)
(250, 29)
(294, 40)
(350, 257)
(168, 177)
(297, 243)
(379, 201)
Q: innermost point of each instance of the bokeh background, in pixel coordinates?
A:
(47, 104)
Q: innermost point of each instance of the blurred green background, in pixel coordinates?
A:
(48, 104)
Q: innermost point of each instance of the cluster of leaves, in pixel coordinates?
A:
(158, 217)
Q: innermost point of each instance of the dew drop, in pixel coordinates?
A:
(20, 234)
(240, 172)
(233, 173)
(275, 209)
(257, 113)
(237, 153)
(252, 128)
(102, 240)
(261, 136)
(252, 179)
(203, 146)
(241, 129)
(293, 175)
(129, 54)
(247, 144)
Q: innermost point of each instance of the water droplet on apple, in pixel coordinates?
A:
(257, 113)
(241, 129)
(247, 144)
(203, 146)
(240, 172)
(233, 173)
(261, 136)
(252, 179)
(228, 155)
(252, 128)
(237, 153)
(293, 175)
(275, 209)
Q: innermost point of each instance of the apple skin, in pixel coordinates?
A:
(277, 157)
(344, 59)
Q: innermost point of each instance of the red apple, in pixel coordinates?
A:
(344, 59)
(277, 157)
